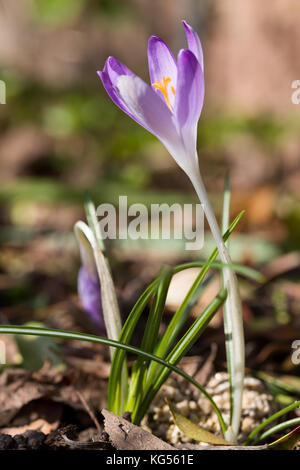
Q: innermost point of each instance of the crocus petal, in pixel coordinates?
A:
(109, 76)
(162, 64)
(189, 99)
(89, 292)
(115, 68)
(194, 43)
(148, 108)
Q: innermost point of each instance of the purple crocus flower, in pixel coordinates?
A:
(171, 106)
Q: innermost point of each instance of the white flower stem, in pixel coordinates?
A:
(234, 302)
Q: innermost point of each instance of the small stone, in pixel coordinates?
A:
(35, 439)
(21, 441)
(7, 442)
(183, 407)
(193, 405)
(247, 424)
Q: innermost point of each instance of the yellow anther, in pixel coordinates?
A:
(162, 86)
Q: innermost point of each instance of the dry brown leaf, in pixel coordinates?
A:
(19, 388)
(195, 431)
(37, 425)
(128, 436)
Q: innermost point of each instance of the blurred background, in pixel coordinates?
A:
(60, 136)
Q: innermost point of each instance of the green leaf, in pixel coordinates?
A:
(194, 431)
(48, 332)
(156, 311)
(278, 384)
(181, 348)
(238, 268)
(182, 312)
(269, 420)
(125, 337)
(291, 382)
(149, 339)
(287, 442)
(278, 428)
(177, 322)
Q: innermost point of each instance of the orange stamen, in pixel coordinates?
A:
(162, 86)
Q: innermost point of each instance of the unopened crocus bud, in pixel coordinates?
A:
(89, 291)
(89, 288)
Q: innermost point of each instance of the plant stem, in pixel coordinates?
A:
(237, 334)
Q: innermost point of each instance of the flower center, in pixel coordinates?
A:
(163, 87)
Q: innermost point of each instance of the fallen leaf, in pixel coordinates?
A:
(19, 387)
(127, 436)
(194, 431)
(287, 442)
(37, 425)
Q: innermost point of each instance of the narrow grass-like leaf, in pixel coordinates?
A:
(125, 337)
(277, 428)
(269, 420)
(156, 311)
(21, 330)
(176, 324)
(287, 442)
(149, 338)
(181, 348)
(282, 384)
(182, 312)
(238, 268)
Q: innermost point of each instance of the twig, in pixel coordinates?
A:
(89, 410)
